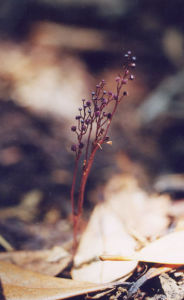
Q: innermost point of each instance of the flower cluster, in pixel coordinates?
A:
(94, 113)
(92, 124)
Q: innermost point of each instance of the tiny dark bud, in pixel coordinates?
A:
(127, 72)
(104, 114)
(125, 93)
(81, 145)
(82, 121)
(104, 92)
(80, 109)
(132, 77)
(88, 103)
(97, 86)
(109, 115)
(107, 138)
(110, 93)
(87, 121)
(77, 117)
(97, 108)
(83, 127)
(73, 128)
(115, 97)
(74, 148)
(104, 101)
(93, 93)
(89, 111)
(97, 113)
(83, 100)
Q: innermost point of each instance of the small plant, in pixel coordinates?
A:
(92, 125)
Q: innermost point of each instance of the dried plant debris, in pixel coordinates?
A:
(20, 284)
(136, 208)
(49, 262)
(104, 234)
(172, 290)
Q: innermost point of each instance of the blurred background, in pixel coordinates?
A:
(52, 54)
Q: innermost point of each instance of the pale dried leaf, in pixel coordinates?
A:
(49, 262)
(104, 234)
(138, 210)
(20, 284)
(166, 250)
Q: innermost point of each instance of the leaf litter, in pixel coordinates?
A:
(20, 284)
(129, 223)
(49, 262)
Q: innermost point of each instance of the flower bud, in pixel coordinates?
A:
(104, 101)
(83, 127)
(81, 145)
(87, 121)
(88, 103)
(109, 115)
(73, 128)
(74, 148)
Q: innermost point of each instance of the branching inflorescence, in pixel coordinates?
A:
(92, 125)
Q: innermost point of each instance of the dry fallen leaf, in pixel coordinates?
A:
(104, 234)
(146, 214)
(20, 284)
(166, 250)
(49, 262)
